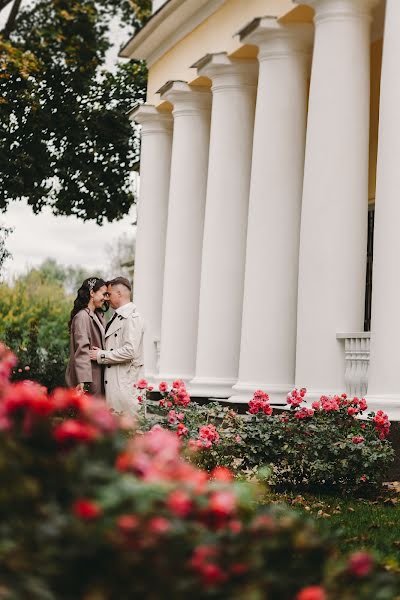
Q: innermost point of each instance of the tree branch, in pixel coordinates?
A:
(11, 19)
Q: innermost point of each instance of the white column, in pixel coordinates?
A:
(191, 112)
(333, 238)
(155, 164)
(224, 244)
(268, 344)
(384, 373)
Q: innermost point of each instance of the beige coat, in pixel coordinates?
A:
(123, 359)
(87, 330)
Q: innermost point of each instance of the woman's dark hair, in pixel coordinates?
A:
(91, 284)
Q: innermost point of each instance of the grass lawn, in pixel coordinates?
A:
(356, 523)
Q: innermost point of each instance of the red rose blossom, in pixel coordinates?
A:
(87, 509)
(313, 592)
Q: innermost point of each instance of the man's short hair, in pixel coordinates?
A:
(120, 281)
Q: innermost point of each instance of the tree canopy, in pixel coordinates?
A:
(65, 139)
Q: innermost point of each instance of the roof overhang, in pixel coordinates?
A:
(172, 22)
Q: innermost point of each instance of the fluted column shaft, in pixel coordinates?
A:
(224, 243)
(189, 164)
(268, 342)
(384, 373)
(155, 164)
(333, 240)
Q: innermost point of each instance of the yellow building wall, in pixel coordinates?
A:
(376, 62)
(215, 34)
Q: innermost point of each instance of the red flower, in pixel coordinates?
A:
(179, 503)
(182, 430)
(74, 431)
(123, 462)
(313, 592)
(70, 399)
(212, 575)
(221, 474)
(357, 439)
(127, 523)
(360, 564)
(86, 509)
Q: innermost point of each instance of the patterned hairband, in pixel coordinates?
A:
(91, 283)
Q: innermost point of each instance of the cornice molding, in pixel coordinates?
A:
(171, 23)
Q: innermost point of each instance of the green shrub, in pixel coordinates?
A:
(324, 447)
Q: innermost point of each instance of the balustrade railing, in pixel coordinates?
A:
(356, 358)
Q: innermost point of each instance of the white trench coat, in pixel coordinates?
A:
(123, 359)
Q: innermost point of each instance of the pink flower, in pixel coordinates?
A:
(238, 439)
(313, 592)
(182, 430)
(179, 503)
(352, 411)
(159, 525)
(178, 384)
(142, 384)
(208, 435)
(304, 413)
(330, 404)
(163, 386)
(296, 397)
(360, 564)
(362, 404)
(316, 405)
(222, 503)
(357, 439)
(363, 478)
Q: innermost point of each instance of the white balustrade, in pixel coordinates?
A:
(356, 356)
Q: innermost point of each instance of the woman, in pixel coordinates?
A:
(86, 327)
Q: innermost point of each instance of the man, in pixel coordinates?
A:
(123, 354)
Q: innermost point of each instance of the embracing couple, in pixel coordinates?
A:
(106, 359)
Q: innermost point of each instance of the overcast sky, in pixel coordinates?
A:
(66, 239)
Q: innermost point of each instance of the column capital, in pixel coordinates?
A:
(228, 73)
(275, 40)
(151, 119)
(340, 10)
(186, 99)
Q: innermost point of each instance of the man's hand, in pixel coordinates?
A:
(93, 353)
(80, 387)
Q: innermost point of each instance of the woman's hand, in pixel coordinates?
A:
(93, 352)
(80, 387)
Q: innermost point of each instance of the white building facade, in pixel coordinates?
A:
(269, 212)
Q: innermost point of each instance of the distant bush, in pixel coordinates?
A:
(34, 313)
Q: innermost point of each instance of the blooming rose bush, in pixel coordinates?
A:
(322, 445)
(93, 513)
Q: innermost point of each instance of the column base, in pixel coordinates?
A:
(209, 387)
(389, 403)
(170, 377)
(243, 392)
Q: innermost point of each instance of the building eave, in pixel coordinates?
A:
(172, 22)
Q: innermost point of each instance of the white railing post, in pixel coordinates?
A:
(356, 357)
